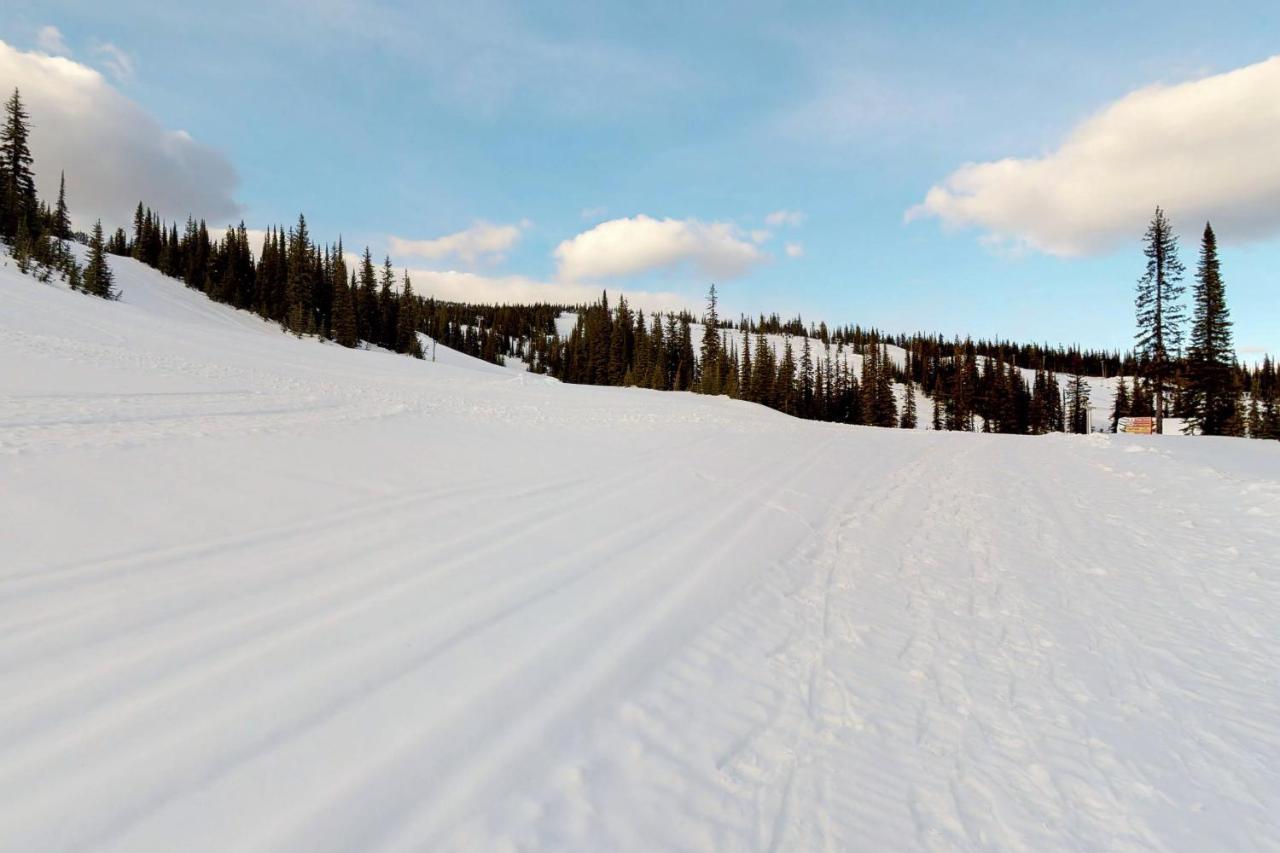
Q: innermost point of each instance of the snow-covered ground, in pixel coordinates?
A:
(259, 593)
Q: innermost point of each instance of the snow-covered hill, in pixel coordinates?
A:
(262, 593)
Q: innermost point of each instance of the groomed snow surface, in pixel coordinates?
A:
(259, 593)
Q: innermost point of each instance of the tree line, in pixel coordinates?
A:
(313, 288)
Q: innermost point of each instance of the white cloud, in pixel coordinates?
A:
(622, 247)
(483, 241)
(1204, 150)
(113, 151)
(49, 39)
(462, 286)
(118, 63)
(760, 235)
(779, 218)
(795, 250)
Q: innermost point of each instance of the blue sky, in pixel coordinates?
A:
(547, 121)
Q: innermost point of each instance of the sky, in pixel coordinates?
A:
(972, 169)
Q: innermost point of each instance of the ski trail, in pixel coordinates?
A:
(258, 593)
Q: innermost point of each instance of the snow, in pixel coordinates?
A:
(262, 593)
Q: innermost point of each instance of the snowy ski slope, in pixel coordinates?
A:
(259, 593)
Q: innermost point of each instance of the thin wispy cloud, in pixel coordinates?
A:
(115, 61)
(49, 39)
(486, 57)
(482, 242)
(780, 218)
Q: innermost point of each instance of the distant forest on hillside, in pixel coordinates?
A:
(1182, 366)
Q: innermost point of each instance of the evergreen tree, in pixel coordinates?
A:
(1121, 407)
(61, 216)
(805, 381)
(387, 306)
(1214, 400)
(98, 279)
(1159, 313)
(344, 305)
(784, 387)
(908, 420)
(368, 317)
(18, 205)
(711, 346)
(1078, 404)
(407, 321)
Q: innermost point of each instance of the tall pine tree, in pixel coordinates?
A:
(1160, 314)
(18, 205)
(1214, 401)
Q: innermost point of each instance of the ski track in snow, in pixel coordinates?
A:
(263, 594)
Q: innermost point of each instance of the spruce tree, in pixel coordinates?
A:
(344, 306)
(1210, 356)
(711, 346)
(1077, 415)
(387, 306)
(1160, 314)
(61, 215)
(407, 321)
(98, 279)
(368, 318)
(908, 419)
(1121, 406)
(18, 204)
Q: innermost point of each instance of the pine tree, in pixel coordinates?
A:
(1159, 312)
(908, 419)
(139, 232)
(98, 279)
(1122, 405)
(387, 306)
(18, 204)
(367, 314)
(784, 388)
(344, 305)
(407, 322)
(711, 346)
(62, 216)
(1213, 398)
(1077, 415)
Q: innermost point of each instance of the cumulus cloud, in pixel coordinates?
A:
(779, 218)
(639, 244)
(113, 151)
(483, 241)
(794, 250)
(49, 39)
(463, 286)
(1204, 150)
